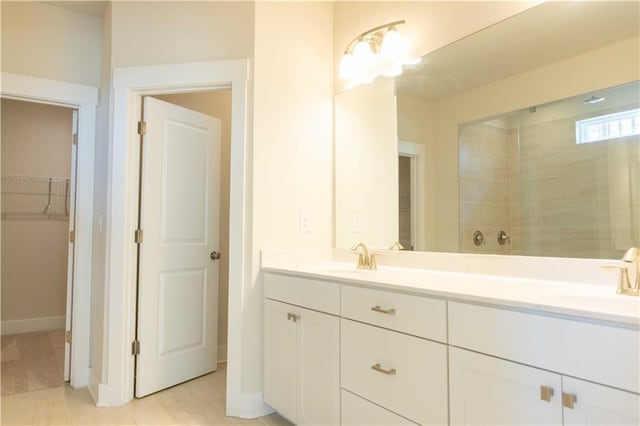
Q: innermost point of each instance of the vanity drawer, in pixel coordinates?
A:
(420, 316)
(319, 295)
(356, 411)
(411, 375)
(600, 353)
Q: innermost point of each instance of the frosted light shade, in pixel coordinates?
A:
(393, 46)
(362, 53)
(347, 66)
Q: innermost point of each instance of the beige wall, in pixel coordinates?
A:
(429, 24)
(292, 138)
(36, 141)
(365, 157)
(216, 104)
(50, 42)
(606, 67)
(159, 32)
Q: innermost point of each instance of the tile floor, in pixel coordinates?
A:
(197, 402)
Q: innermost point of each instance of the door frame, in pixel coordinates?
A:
(85, 100)
(416, 152)
(129, 85)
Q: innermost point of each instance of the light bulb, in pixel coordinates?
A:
(347, 66)
(392, 45)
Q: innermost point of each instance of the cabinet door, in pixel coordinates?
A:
(490, 391)
(280, 358)
(598, 405)
(318, 368)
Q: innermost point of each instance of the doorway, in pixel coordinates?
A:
(411, 184)
(38, 218)
(183, 253)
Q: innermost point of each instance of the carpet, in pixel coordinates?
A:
(32, 361)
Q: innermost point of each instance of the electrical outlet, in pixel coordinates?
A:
(305, 223)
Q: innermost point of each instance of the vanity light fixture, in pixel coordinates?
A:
(378, 51)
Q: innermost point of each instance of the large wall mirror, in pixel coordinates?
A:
(519, 139)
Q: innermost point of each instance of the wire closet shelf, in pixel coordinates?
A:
(35, 197)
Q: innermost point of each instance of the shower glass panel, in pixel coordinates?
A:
(531, 174)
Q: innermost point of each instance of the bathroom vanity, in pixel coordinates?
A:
(406, 345)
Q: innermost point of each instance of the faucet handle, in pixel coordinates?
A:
(372, 261)
(624, 284)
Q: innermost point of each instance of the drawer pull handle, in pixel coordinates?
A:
(390, 311)
(546, 393)
(569, 399)
(293, 317)
(379, 369)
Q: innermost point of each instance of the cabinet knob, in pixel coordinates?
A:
(569, 400)
(292, 317)
(546, 393)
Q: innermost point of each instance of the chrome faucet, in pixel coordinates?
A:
(365, 260)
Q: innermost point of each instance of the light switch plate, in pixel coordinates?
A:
(305, 223)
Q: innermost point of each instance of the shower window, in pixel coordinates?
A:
(610, 126)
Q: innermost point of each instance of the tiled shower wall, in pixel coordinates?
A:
(574, 200)
(552, 196)
(485, 199)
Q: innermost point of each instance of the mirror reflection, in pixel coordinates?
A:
(560, 179)
(482, 137)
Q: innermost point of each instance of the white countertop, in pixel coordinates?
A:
(588, 301)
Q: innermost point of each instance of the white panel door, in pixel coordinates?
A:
(489, 391)
(599, 405)
(280, 350)
(178, 277)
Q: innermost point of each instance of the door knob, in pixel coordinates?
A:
(215, 255)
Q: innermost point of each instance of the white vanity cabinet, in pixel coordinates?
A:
(301, 350)
(489, 391)
(496, 387)
(389, 356)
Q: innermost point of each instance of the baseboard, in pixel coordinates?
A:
(253, 406)
(222, 353)
(32, 324)
(97, 390)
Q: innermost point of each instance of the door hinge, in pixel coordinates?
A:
(135, 347)
(142, 127)
(72, 236)
(75, 139)
(67, 336)
(138, 236)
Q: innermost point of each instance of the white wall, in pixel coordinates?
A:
(36, 141)
(103, 131)
(50, 42)
(216, 104)
(292, 155)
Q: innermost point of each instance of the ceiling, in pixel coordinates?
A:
(536, 37)
(94, 8)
